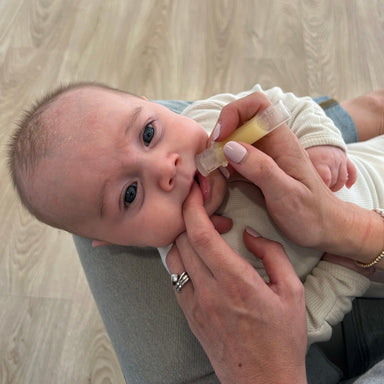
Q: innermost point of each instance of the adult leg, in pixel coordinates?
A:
(367, 112)
(148, 330)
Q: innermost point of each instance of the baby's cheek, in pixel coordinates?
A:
(172, 230)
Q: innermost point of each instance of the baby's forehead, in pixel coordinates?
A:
(83, 115)
(79, 114)
(78, 100)
(64, 120)
(74, 108)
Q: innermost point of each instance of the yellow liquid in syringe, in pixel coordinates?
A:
(249, 132)
(253, 130)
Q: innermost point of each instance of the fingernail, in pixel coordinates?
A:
(224, 171)
(252, 232)
(235, 151)
(216, 131)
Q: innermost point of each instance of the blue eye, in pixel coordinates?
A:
(148, 134)
(130, 194)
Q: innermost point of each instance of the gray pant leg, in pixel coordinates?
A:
(148, 330)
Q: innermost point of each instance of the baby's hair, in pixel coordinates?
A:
(33, 139)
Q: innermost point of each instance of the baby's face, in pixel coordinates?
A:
(126, 178)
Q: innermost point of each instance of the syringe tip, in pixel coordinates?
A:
(211, 159)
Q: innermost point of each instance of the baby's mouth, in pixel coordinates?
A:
(204, 185)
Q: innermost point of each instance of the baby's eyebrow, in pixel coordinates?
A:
(132, 118)
(101, 199)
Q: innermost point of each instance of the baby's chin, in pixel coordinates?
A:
(218, 188)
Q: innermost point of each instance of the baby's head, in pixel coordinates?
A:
(108, 165)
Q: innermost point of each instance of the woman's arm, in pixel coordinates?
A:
(297, 199)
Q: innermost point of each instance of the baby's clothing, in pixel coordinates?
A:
(329, 288)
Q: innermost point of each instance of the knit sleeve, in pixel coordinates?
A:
(329, 292)
(308, 121)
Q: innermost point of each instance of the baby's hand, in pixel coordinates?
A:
(333, 166)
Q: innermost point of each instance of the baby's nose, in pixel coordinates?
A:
(167, 171)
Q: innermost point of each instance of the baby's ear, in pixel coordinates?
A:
(98, 243)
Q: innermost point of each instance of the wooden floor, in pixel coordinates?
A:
(50, 330)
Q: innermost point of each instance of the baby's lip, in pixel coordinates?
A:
(204, 185)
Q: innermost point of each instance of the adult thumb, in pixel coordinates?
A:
(275, 260)
(222, 224)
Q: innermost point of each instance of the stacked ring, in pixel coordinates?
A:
(179, 280)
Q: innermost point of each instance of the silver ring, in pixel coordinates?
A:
(174, 278)
(179, 280)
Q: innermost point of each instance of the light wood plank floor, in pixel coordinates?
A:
(50, 330)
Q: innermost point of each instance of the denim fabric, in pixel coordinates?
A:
(340, 117)
(176, 106)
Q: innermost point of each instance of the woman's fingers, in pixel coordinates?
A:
(174, 262)
(259, 168)
(194, 267)
(293, 198)
(176, 267)
(222, 224)
(210, 248)
(281, 274)
(237, 113)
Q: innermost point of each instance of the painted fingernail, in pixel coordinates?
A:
(252, 232)
(224, 171)
(216, 131)
(235, 151)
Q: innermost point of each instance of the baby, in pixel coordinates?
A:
(116, 168)
(112, 166)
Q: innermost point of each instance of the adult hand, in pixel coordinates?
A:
(296, 198)
(251, 331)
(281, 168)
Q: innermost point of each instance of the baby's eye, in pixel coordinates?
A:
(148, 134)
(130, 194)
